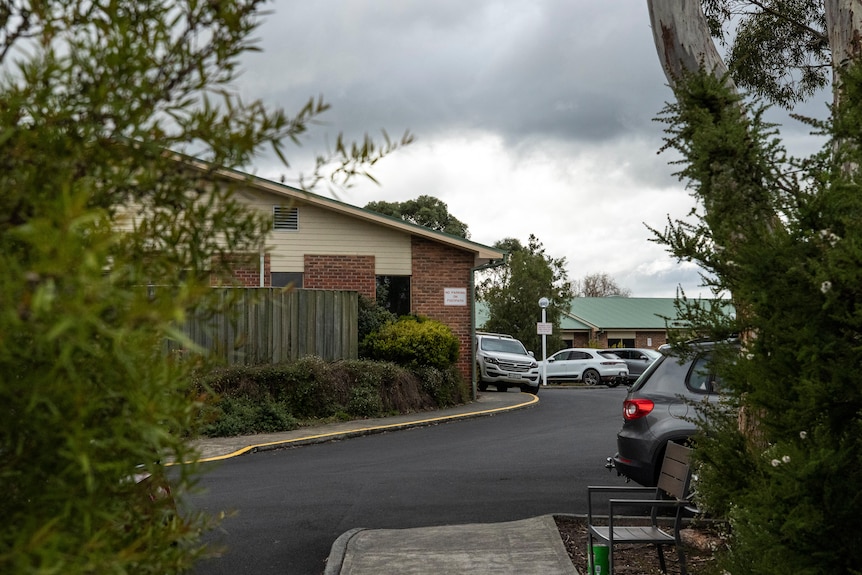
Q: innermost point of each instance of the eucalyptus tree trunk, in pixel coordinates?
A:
(844, 27)
(843, 23)
(683, 42)
(682, 39)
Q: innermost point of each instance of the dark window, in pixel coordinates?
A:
(285, 218)
(284, 279)
(620, 342)
(393, 294)
(701, 377)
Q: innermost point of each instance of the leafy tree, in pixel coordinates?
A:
(783, 237)
(780, 50)
(777, 50)
(425, 211)
(513, 291)
(98, 102)
(599, 285)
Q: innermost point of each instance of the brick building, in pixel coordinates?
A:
(613, 321)
(621, 321)
(321, 243)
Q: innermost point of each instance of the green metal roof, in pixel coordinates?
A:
(570, 323)
(604, 313)
(623, 312)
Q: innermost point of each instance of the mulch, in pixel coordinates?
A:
(640, 559)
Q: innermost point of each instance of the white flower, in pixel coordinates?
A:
(749, 356)
(826, 286)
(775, 463)
(830, 237)
(785, 459)
(803, 435)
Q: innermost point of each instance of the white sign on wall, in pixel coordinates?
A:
(454, 296)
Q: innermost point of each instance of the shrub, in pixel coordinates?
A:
(444, 387)
(414, 342)
(372, 317)
(255, 399)
(365, 401)
(244, 416)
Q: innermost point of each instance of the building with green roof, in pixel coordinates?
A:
(612, 321)
(618, 321)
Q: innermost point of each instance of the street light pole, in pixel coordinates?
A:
(544, 303)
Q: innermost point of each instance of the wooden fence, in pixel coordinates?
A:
(271, 325)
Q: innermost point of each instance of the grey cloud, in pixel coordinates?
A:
(553, 68)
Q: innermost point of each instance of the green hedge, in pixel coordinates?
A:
(244, 400)
(414, 342)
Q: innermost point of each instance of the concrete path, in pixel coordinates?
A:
(529, 546)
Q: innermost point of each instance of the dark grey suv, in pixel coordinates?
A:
(660, 407)
(638, 359)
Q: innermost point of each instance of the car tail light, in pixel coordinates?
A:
(636, 408)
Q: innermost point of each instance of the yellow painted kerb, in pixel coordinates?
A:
(246, 449)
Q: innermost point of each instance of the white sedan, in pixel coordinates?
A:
(591, 366)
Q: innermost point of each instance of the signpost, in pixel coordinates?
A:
(544, 328)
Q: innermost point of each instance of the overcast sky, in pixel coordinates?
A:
(530, 117)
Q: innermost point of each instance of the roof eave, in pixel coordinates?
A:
(482, 253)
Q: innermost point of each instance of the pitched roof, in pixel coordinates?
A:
(482, 253)
(621, 312)
(604, 313)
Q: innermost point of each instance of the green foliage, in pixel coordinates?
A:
(372, 317)
(512, 293)
(246, 416)
(413, 342)
(301, 385)
(98, 103)
(446, 387)
(425, 211)
(779, 50)
(783, 237)
(365, 401)
(267, 398)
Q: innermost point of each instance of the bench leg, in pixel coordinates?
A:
(681, 554)
(660, 550)
(610, 558)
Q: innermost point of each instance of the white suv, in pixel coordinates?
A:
(503, 361)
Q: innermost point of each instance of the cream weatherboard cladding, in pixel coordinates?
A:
(322, 231)
(326, 232)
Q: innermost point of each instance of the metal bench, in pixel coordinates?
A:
(671, 492)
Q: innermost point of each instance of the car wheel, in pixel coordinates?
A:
(502, 387)
(592, 377)
(482, 386)
(613, 382)
(530, 389)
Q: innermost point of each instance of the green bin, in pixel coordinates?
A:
(597, 560)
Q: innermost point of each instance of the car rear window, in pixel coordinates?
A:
(667, 375)
(702, 377)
